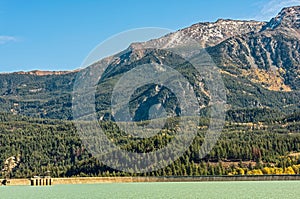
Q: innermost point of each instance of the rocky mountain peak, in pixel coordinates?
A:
(210, 34)
(205, 34)
(287, 18)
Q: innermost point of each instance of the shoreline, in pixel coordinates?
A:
(99, 180)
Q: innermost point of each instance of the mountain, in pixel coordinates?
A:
(259, 63)
(269, 58)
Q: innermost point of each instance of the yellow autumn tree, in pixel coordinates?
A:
(289, 170)
(267, 171)
(255, 172)
(240, 171)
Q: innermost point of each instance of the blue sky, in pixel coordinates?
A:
(59, 34)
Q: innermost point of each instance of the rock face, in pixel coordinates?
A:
(206, 34)
(259, 63)
(288, 18)
(211, 34)
(270, 57)
(10, 163)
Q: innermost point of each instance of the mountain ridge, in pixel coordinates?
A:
(42, 72)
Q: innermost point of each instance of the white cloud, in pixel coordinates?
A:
(6, 39)
(273, 7)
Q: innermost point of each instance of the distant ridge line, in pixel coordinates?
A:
(42, 73)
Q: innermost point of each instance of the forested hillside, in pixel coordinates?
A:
(244, 148)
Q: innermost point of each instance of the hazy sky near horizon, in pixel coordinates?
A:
(58, 35)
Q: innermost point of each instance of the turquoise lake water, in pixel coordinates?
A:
(268, 189)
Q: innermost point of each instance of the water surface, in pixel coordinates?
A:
(262, 189)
